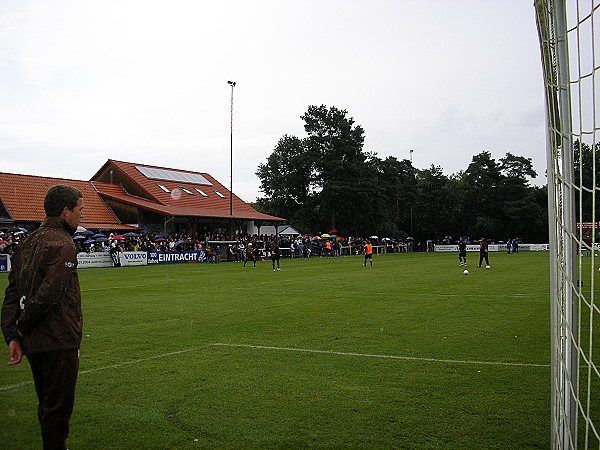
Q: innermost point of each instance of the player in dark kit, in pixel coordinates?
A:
(250, 255)
(483, 253)
(275, 255)
(462, 252)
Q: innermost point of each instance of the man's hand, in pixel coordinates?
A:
(16, 353)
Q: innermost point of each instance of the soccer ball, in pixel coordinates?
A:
(488, 267)
(466, 272)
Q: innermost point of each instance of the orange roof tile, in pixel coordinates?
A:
(183, 198)
(23, 198)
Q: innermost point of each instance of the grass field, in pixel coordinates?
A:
(324, 354)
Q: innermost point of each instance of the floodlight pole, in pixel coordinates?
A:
(232, 84)
(411, 152)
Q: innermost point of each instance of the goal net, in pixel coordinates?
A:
(567, 32)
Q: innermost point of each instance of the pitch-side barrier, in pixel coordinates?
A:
(104, 259)
(494, 248)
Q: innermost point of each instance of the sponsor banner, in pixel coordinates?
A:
(534, 247)
(470, 248)
(494, 248)
(176, 257)
(588, 225)
(133, 258)
(97, 259)
(4, 263)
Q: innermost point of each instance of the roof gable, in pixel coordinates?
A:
(23, 197)
(172, 191)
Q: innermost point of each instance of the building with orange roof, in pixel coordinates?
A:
(124, 195)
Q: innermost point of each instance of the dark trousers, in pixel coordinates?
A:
(483, 256)
(55, 376)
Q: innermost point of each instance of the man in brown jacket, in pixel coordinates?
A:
(41, 313)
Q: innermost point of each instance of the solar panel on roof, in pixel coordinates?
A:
(172, 175)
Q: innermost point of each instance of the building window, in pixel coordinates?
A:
(163, 188)
(219, 194)
(186, 190)
(201, 192)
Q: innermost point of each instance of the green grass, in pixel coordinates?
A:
(152, 376)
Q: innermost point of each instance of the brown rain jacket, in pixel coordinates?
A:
(43, 300)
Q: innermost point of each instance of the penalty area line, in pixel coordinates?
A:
(112, 366)
(367, 355)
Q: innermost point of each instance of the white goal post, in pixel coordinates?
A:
(569, 34)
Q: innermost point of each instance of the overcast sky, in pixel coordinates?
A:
(145, 81)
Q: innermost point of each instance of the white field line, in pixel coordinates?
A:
(367, 355)
(303, 350)
(112, 366)
(105, 288)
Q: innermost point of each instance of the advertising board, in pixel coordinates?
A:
(96, 259)
(494, 248)
(4, 263)
(176, 257)
(133, 258)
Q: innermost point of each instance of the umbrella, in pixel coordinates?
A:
(87, 232)
(89, 241)
(3, 242)
(98, 235)
(80, 229)
(160, 239)
(131, 234)
(102, 239)
(333, 232)
(17, 230)
(118, 237)
(373, 237)
(325, 235)
(79, 237)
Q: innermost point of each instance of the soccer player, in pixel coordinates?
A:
(250, 255)
(328, 249)
(483, 252)
(275, 254)
(462, 252)
(368, 254)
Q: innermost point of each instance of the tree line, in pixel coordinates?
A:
(326, 181)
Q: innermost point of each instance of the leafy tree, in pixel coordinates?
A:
(518, 201)
(327, 181)
(335, 145)
(428, 211)
(286, 180)
(396, 183)
(482, 209)
(517, 168)
(586, 162)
